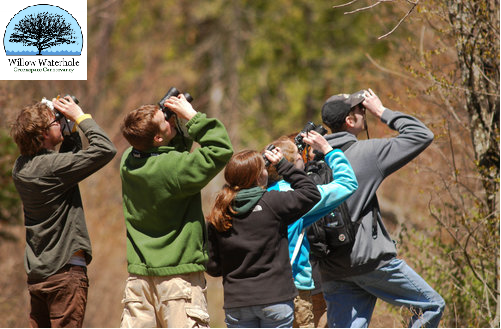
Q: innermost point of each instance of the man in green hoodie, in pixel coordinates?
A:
(166, 233)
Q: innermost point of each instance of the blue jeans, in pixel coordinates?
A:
(277, 315)
(351, 301)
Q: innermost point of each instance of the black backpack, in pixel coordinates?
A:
(335, 231)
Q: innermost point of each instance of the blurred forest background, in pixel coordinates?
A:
(265, 68)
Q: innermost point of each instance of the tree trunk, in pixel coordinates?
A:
(475, 25)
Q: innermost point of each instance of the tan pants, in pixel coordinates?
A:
(303, 310)
(177, 301)
(319, 310)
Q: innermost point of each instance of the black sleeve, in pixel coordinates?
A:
(292, 205)
(213, 264)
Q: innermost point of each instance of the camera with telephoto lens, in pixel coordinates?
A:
(266, 161)
(307, 128)
(172, 92)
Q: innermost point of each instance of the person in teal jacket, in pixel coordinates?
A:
(166, 232)
(343, 185)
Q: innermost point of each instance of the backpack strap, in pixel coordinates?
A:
(347, 146)
(298, 246)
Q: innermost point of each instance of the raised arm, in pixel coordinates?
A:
(394, 153)
(74, 167)
(294, 204)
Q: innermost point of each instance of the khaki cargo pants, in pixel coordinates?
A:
(177, 301)
(303, 310)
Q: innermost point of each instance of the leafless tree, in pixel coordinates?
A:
(43, 30)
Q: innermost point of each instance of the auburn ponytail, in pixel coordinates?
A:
(222, 212)
(242, 172)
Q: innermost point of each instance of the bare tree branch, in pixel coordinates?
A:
(360, 9)
(464, 250)
(345, 4)
(368, 7)
(414, 4)
(384, 69)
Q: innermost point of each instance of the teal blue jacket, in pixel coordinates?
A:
(332, 195)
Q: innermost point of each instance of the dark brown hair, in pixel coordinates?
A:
(29, 127)
(242, 172)
(341, 125)
(138, 127)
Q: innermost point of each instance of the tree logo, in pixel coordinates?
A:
(43, 30)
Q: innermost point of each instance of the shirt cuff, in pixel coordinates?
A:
(82, 118)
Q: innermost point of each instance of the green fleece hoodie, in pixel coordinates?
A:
(162, 202)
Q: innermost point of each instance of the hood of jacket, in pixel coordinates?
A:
(337, 140)
(246, 200)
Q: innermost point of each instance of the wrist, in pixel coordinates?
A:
(327, 150)
(82, 117)
(380, 111)
(190, 115)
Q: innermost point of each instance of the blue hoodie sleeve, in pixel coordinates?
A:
(343, 185)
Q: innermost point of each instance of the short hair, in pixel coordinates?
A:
(289, 150)
(29, 127)
(341, 125)
(138, 127)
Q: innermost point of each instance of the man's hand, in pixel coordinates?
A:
(317, 142)
(68, 107)
(180, 106)
(372, 103)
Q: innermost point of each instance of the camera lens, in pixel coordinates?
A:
(309, 126)
(58, 115)
(188, 97)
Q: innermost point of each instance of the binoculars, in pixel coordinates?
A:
(172, 92)
(58, 114)
(298, 140)
(266, 161)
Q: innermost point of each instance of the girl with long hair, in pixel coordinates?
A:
(248, 239)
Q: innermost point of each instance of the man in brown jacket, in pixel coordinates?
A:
(57, 242)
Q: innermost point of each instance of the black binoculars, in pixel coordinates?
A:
(172, 92)
(298, 140)
(266, 161)
(58, 114)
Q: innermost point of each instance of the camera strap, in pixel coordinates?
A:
(366, 125)
(142, 155)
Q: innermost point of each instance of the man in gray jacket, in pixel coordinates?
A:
(354, 277)
(57, 242)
